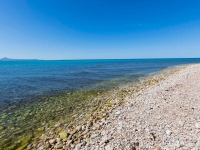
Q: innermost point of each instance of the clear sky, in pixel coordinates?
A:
(99, 29)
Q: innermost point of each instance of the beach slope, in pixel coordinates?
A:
(163, 116)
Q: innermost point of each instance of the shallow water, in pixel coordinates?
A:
(23, 80)
(36, 94)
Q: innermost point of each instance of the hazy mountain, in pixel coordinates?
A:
(10, 59)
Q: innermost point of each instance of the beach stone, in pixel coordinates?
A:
(133, 148)
(93, 136)
(104, 114)
(94, 128)
(52, 141)
(41, 148)
(105, 139)
(178, 144)
(108, 147)
(64, 140)
(158, 148)
(73, 131)
(1, 127)
(197, 144)
(59, 145)
(29, 147)
(85, 132)
(168, 132)
(89, 124)
(197, 125)
(72, 146)
(78, 146)
(69, 142)
(58, 140)
(181, 123)
(47, 145)
(63, 135)
(97, 126)
(137, 143)
(78, 128)
(103, 120)
(117, 113)
(83, 127)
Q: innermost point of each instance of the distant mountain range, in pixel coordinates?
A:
(10, 59)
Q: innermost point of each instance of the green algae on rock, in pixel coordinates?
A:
(34, 119)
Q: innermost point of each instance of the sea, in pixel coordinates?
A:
(23, 80)
(38, 93)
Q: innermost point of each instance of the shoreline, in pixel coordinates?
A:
(77, 134)
(163, 116)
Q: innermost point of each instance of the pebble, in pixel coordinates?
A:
(198, 144)
(181, 123)
(108, 147)
(63, 135)
(78, 146)
(59, 145)
(78, 128)
(83, 127)
(94, 135)
(72, 146)
(178, 144)
(69, 142)
(168, 132)
(105, 139)
(117, 113)
(85, 132)
(52, 141)
(197, 125)
(58, 140)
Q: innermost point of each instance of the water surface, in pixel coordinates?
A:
(22, 80)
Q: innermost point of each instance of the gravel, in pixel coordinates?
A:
(164, 116)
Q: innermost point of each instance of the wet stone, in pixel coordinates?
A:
(63, 135)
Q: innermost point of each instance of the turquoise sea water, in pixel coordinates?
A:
(26, 80)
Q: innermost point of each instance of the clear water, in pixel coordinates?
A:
(22, 80)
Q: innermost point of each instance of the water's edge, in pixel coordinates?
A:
(65, 112)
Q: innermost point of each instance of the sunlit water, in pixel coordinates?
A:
(22, 80)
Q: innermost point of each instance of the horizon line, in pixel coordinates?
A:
(13, 59)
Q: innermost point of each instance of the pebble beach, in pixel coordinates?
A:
(160, 113)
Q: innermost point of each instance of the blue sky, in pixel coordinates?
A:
(99, 29)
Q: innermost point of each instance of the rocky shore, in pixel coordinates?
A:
(160, 112)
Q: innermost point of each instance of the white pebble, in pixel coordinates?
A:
(78, 146)
(117, 113)
(197, 125)
(168, 132)
(178, 144)
(108, 147)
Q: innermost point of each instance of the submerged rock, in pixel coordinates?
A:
(63, 135)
